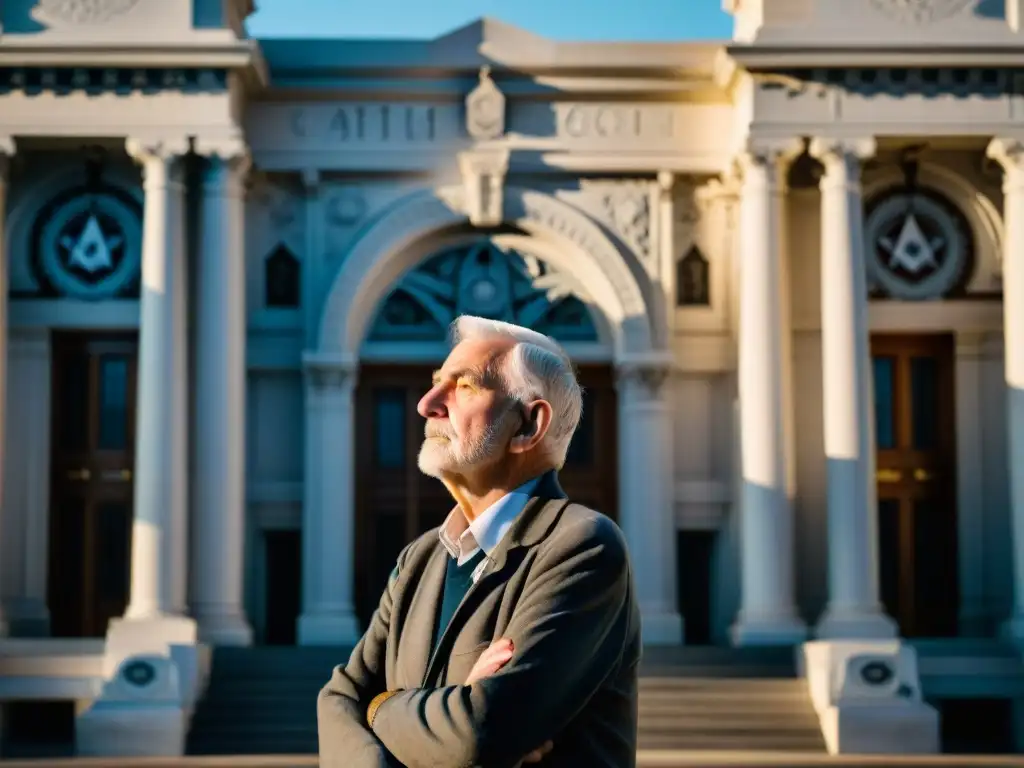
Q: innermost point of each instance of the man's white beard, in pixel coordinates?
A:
(442, 453)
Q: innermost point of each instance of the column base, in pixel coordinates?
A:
(229, 629)
(340, 629)
(661, 628)
(768, 631)
(856, 624)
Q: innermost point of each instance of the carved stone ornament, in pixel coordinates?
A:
(325, 377)
(485, 109)
(81, 11)
(630, 213)
(483, 179)
(920, 11)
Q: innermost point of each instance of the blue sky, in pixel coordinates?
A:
(559, 19)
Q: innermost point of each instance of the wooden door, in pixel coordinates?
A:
(92, 449)
(916, 474)
(395, 502)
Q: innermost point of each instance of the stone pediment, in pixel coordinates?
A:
(815, 25)
(488, 40)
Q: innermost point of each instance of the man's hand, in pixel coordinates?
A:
(494, 658)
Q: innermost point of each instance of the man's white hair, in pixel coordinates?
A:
(535, 368)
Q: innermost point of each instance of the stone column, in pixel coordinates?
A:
(218, 534)
(853, 610)
(6, 152)
(328, 515)
(767, 614)
(647, 494)
(1010, 154)
(161, 511)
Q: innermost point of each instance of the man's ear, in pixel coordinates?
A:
(535, 426)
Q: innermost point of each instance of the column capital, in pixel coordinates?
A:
(842, 148)
(771, 152)
(329, 372)
(7, 151)
(1007, 151)
(643, 377)
(226, 148)
(167, 148)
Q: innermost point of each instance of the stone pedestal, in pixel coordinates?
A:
(867, 695)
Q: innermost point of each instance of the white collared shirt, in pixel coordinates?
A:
(488, 528)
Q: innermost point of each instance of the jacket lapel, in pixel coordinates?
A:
(422, 616)
(532, 524)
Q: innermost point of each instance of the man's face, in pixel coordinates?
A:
(470, 419)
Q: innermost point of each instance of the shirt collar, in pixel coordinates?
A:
(488, 528)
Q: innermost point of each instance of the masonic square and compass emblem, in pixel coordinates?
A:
(918, 244)
(88, 244)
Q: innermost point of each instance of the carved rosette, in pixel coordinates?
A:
(643, 381)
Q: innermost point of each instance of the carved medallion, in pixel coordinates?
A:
(485, 109)
(81, 11)
(88, 244)
(918, 245)
(630, 213)
(920, 11)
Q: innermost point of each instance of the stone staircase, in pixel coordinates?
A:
(724, 699)
(263, 701)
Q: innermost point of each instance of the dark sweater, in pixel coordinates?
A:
(457, 581)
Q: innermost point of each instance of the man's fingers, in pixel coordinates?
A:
(538, 754)
(491, 660)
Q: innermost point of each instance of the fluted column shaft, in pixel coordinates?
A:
(159, 530)
(853, 609)
(218, 540)
(6, 152)
(767, 613)
(646, 493)
(328, 519)
(1010, 154)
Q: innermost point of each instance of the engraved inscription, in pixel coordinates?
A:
(367, 123)
(615, 121)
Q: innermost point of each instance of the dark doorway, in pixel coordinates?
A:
(93, 458)
(916, 480)
(284, 585)
(695, 550)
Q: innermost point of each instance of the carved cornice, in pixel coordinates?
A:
(867, 81)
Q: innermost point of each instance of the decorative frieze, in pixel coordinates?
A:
(80, 12)
(65, 80)
(961, 82)
(920, 11)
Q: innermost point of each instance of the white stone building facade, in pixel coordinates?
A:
(790, 267)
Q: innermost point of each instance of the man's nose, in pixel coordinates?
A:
(432, 404)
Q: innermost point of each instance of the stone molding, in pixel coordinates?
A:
(483, 180)
(642, 379)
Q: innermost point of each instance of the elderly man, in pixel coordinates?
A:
(511, 634)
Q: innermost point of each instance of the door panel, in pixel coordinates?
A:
(395, 502)
(916, 469)
(93, 392)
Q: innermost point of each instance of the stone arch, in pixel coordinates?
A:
(980, 212)
(407, 232)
